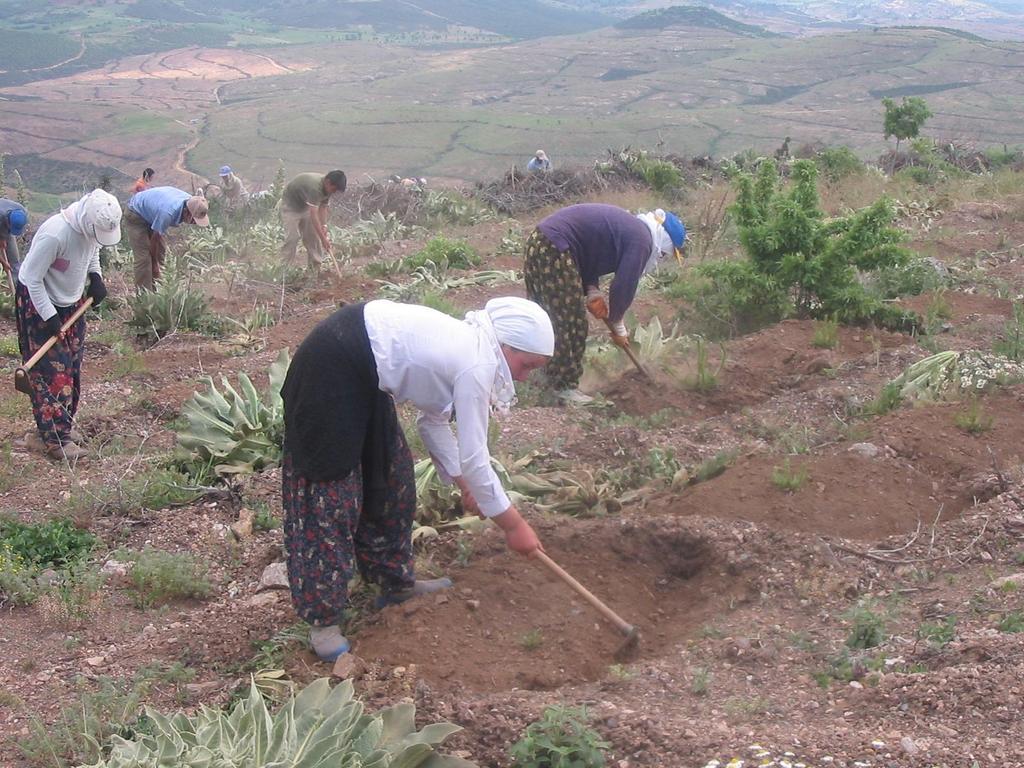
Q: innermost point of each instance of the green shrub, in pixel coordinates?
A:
(158, 577)
(914, 277)
(106, 707)
(838, 163)
(6, 304)
(938, 635)
(1002, 158)
(452, 207)
(814, 260)
(17, 579)
(1013, 622)
(713, 467)
(888, 399)
(236, 431)
(532, 640)
(560, 739)
(1011, 345)
(826, 334)
(9, 346)
(973, 420)
(53, 544)
(660, 175)
(730, 298)
(319, 727)
(173, 306)
(867, 628)
(700, 682)
(446, 253)
(788, 478)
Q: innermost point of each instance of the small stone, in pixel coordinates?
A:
(347, 666)
(261, 599)
(242, 527)
(274, 576)
(398, 672)
(114, 568)
(473, 605)
(856, 685)
(907, 745)
(96, 661)
(867, 450)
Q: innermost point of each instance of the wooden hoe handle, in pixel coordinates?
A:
(624, 626)
(630, 353)
(21, 372)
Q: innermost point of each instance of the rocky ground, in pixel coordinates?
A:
(746, 595)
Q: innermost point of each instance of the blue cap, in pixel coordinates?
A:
(18, 220)
(676, 229)
(225, 170)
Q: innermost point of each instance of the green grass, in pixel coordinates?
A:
(158, 577)
(788, 478)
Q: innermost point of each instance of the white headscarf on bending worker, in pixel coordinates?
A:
(520, 324)
(668, 235)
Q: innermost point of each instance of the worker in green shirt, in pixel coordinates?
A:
(304, 214)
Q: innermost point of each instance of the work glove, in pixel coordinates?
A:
(620, 336)
(53, 325)
(96, 289)
(596, 304)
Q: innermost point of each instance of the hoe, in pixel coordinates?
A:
(630, 645)
(21, 382)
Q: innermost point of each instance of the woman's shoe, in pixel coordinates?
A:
(328, 642)
(421, 587)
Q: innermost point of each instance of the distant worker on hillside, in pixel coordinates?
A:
(567, 254)
(63, 261)
(304, 215)
(150, 214)
(232, 189)
(539, 162)
(13, 221)
(145, 181)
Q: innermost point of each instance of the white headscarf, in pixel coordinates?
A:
(662, 244)
(520, 324)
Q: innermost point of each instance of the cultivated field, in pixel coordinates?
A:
(463, 114)
(822, 576)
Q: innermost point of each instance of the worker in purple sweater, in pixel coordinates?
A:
(566, 256)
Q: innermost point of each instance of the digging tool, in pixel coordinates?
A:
(10, 273)
(632, 641)
(21, 382)
(630, 353)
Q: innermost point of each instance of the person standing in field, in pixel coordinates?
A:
(567, 254)
(63, 260)
(145, 181)
(150, 214)
(304, 209)
(13, 221)
(539, 162)
(232, 189)
(347, 483)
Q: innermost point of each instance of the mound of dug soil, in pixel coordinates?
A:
(509, 623)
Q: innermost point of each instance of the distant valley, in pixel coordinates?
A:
(460, 103)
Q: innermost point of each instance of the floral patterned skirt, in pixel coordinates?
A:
(328, 532)
(57, 378)
(553, 281)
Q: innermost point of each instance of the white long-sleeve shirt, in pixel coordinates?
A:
(442, 366)
(56, 266)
